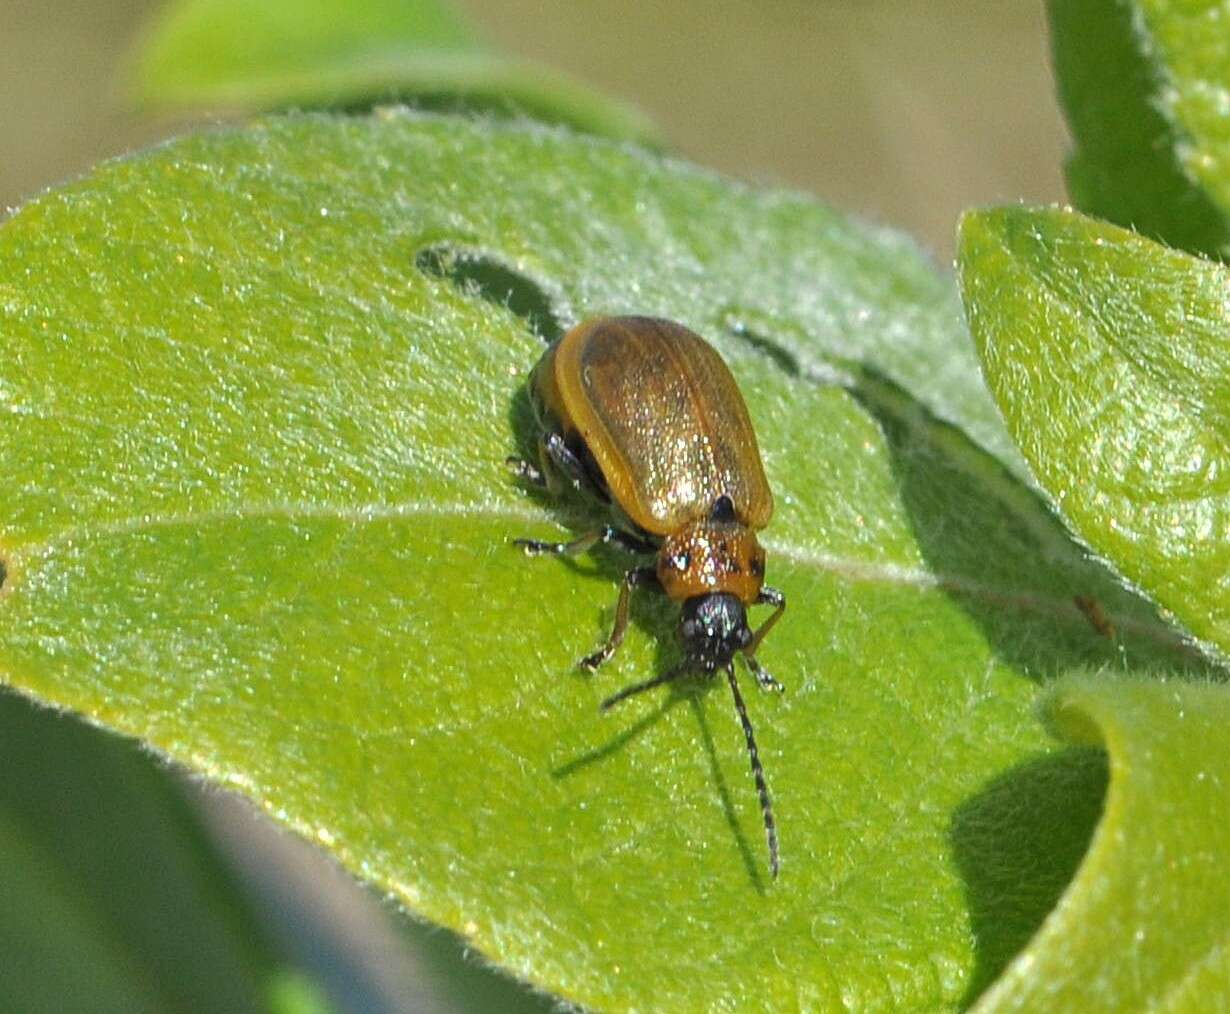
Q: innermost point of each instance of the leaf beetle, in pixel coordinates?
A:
(643, 416)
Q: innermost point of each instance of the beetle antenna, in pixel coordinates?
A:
(766, 805)
(637, 688)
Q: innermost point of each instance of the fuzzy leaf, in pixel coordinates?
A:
(1108, 355)
(255, 411)
(1149, 904)
(1146, 85)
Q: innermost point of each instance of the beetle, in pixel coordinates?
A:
(642, 416)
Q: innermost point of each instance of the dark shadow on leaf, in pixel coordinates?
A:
(573, 510)
(1018, 844)
(524, 426)
(728, 807)
(782, 358)
(487, 277)
(1008, 561)
(996, 548)
(687, 689)
(615, 743)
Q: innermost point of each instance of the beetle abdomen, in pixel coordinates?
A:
(661, 415)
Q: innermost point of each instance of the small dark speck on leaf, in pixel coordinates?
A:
(1095, 614)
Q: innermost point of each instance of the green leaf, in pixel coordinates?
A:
(255, 412)
(1150, 901)
(1145, 85)
(109, 892)
(1108, 356)
(351, 54)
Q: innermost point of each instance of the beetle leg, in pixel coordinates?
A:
(625, 540)
(765, 681)
(629, 542)
(535, 547)
(523, 470)
(634, 578)
(554, 450)
(772, 597)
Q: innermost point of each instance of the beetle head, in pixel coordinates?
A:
(712, 628)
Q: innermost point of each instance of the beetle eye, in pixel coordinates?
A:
(682, 561)
(688, 629)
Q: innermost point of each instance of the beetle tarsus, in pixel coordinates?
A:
(523, 470)
(763, 678)
(535, 547)
(608, 534)
(593, 662)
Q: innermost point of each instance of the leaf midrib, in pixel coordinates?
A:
(848, 568)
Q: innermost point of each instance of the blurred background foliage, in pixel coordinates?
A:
(902, 111)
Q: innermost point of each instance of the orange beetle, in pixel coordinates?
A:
(642, 415)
